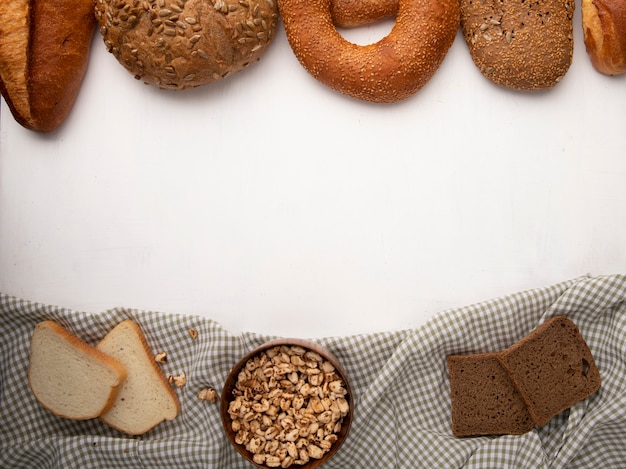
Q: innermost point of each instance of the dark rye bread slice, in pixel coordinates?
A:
(484, 399)
(520, 44)
(552, 367)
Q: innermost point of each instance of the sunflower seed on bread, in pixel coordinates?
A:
(520, 44)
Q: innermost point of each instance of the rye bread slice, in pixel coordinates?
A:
(484, 399)
(552, 367)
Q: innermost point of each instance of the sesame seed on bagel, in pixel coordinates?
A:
(386, 71)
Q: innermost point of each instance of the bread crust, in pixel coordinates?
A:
(44, 59)
(523, 45)
(604, 29)
(85, 348)
(179, 45)
(389, 70)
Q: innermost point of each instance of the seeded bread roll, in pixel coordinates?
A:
(552, 367)
(44, 50)
(180, 44)
(484, 399)
(604, 28)
(524, 45)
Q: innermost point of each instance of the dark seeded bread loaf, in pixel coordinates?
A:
(523, 45)
(484, 399)
(177, 44)
(552, 367)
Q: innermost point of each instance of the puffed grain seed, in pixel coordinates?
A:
(179, 380)
(288, 406)
(208, 394)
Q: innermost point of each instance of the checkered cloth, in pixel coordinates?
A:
(402, 417)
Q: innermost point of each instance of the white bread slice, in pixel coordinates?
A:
(69, 377)
(146, 398)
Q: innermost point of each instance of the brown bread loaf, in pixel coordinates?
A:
(44, 50)
(523, 45)
(177, 44)
(484, 399)
(552, 368)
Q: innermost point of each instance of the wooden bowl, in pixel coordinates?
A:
(231, 381)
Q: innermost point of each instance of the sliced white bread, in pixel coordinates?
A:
(69, 377)
(146, 398)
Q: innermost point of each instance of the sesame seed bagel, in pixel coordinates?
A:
(180, 44)
(389, 70)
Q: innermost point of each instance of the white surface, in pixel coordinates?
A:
(269, 203)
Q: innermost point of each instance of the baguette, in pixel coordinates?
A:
(146, 398)
(604, 28)
(70, 378)
(44, 50)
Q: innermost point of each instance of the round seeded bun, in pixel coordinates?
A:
(180, 44)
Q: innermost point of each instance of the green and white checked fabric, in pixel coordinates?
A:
(402, 413)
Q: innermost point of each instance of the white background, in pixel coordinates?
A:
(270, 203)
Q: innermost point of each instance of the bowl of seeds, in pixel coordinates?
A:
(287, 403)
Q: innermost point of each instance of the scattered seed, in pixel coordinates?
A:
(208, 394)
